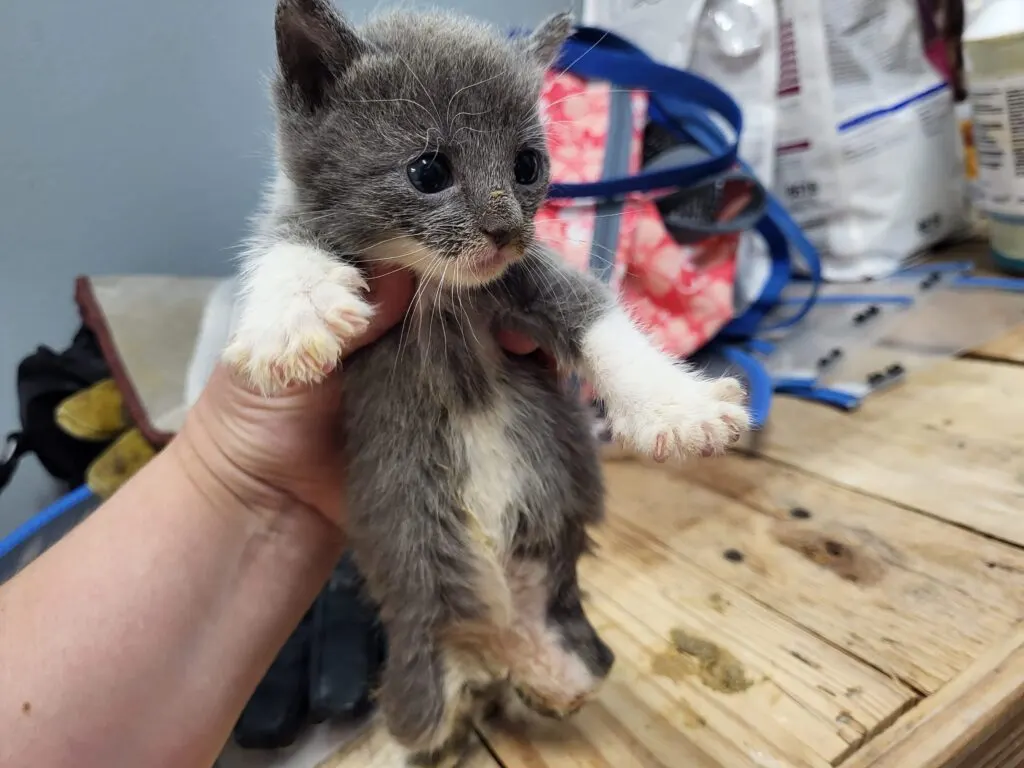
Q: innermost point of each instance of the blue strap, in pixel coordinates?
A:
(1009, 284)
(761, 346)
(35, 524)
(790, 383)
(834, 397)
(942, 267)
(759, 383)
(594, 54)
(777, 227)
(853, 298)
(682, 101)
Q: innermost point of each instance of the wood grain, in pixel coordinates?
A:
(949, 444)
(845, 575)
(374, 749)
(912, 596)
(808, 703)
(965, 725)
(1009, 347)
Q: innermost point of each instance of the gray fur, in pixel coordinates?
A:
(353, 111)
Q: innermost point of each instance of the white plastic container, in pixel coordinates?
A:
(994, 57)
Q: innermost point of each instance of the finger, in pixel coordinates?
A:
(517, 343)
(390, 293)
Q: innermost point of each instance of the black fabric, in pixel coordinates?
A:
(693, 214)
(278, 709)
(327, 669)
(347, 648)
(45, 379)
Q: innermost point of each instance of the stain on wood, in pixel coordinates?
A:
(848, 562)
(717, 602)
(689, 655)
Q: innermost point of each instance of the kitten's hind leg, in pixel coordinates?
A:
(428, 695)
(556, 660)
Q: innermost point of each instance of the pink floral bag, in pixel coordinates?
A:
(682, 292)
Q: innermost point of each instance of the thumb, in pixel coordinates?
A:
(390, 293)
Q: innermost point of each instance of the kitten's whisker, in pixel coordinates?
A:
(437, 115)
(541, 255)
(396, 101)
(578, 58)
(403, 267)
(436, 304)
(610, 91)
(466, 88)
(467, 319)
(470, 114)
(405, 333)
(457, 313)
(595, 216)
(426, 141)
(612, 261)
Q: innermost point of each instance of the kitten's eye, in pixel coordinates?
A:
(431, 173)
(527, 168)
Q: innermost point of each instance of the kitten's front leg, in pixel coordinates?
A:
(300, 307)
(656, 405)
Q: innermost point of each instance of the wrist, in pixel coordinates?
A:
(259, 508)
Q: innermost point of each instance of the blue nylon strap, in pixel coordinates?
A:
(683, 102)
(1010, 284)
(776, 227)
(759, 383)
(594, 54)
(854, 298)
(824, 395)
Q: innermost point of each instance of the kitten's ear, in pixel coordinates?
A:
(314, 47)
(546, 41)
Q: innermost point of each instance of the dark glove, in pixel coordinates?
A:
(326, 670)
(347, 648)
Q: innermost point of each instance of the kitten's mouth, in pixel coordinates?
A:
(493, 262)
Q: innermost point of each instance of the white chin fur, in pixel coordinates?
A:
(432, 267)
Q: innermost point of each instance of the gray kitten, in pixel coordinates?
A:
(417, 141)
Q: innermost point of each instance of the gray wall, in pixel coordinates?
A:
(134, 137)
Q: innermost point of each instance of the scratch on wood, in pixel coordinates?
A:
(801, 658)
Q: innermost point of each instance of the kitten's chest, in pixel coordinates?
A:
(496, 474)
(488, 410)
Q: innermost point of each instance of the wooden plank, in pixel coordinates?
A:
(807, 704)
(950, 443)
(911, 595)
(373, 748)
(976, 716)
(1009, 347)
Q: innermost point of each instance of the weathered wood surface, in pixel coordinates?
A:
(853, 596)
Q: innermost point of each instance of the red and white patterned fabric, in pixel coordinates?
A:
(683, 294)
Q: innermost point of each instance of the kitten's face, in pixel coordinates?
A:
(416, 141)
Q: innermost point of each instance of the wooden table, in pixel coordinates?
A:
(857, 591)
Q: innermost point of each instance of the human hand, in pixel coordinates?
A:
(281, 452)
(286, 452)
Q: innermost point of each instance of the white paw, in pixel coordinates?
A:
(678, 416)
(296, 331)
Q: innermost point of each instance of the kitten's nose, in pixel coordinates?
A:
(501, 236)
